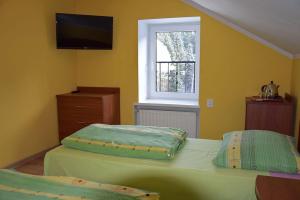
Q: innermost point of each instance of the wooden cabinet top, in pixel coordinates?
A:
(255, 100)
(79, 94)
(274, 188)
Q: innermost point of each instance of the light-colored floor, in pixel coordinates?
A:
(34, 166)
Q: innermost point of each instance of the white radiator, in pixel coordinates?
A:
(177, 117)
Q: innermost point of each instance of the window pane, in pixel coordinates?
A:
(175, 65)
(176, 46)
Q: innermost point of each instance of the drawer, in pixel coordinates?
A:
(82, 103)
(80, 115)
(68, 127)
(80, 108)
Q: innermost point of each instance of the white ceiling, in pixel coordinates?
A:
(275, 21)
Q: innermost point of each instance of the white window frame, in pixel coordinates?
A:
(146, 67)
(152, 58)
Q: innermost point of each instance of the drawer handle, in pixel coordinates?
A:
(82, 122)
(81, 107)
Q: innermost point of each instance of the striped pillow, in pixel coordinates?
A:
(258, 150)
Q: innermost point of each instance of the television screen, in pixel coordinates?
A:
(83, 31)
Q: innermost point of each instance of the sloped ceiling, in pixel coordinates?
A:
(275, 21)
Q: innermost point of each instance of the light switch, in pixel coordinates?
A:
(210, 103)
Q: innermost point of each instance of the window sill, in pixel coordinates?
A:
(173, 103)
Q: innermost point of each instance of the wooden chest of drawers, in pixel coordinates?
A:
(77, 110)
(271, 115)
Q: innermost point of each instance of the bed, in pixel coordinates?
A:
(190, 175)
(15, 186)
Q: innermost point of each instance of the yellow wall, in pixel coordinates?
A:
(233, 66)
(296, 89)
(32, 72)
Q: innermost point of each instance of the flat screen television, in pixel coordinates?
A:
(83, 32)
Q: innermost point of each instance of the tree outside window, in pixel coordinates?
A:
(175, 63)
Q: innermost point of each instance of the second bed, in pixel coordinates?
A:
(190, 175)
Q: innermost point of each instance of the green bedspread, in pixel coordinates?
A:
(17, 186)
(128, 141)
(190, 175)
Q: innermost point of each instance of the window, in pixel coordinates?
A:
(169, 59)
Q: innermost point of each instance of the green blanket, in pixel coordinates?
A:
(128, 141)
(17, 186)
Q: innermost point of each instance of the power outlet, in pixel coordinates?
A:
(210, 103)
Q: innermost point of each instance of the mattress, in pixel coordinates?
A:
(190, 175)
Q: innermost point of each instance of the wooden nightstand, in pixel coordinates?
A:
(274, 188)
(87, 106)
(271, 115)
